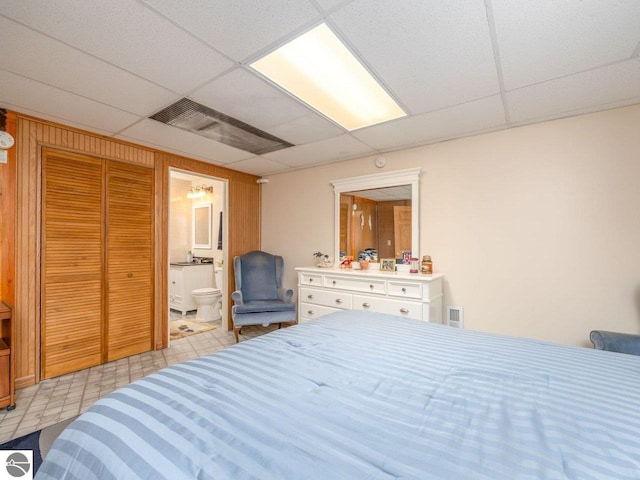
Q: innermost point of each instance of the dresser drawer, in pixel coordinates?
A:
(399, 288)
(308, 311)
(403, 308)
(311, 279)
(327, 298)
(371, 285)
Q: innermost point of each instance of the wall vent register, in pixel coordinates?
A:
(454, 317)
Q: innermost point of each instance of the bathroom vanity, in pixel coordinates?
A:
(183, 279)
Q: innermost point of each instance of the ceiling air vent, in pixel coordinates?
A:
(207, 122)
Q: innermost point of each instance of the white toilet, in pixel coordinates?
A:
(208, 301)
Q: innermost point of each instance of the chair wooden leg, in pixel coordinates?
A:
(279, 325)
(236, 331)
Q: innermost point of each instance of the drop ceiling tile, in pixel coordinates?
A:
(547, 39)
(242, 95)
(258, 166)
(614, 85)
(430, 54)
(52, 118)
(48, 102)
(33, 55)
(127, 34)
(246, 27)
(166, 137)
(326, 5)
(473, 117)
(331, 150)
(307, 129)
(386, 193)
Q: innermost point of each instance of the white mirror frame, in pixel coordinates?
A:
(410, 176)
(201, 246)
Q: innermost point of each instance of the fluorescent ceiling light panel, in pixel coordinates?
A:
(318, 69)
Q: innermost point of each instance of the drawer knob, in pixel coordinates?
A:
(404, 290)
(371, 286)
(311, 280)
(366, 305)
(338, 300)
(404, 310)
(309, 297)
(310, 312)
(334, 282)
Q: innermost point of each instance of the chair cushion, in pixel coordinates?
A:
(259, 306)
(242, 319)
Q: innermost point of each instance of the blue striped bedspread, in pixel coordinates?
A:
(356, 395)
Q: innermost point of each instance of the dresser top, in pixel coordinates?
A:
(371, 273)
(190, 264)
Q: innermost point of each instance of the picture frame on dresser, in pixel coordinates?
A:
(387, 264)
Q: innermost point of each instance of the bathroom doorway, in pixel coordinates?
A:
(197, 252)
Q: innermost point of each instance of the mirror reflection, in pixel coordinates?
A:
(376, 220)
(201, 226)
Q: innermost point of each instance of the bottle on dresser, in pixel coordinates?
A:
(427, 266)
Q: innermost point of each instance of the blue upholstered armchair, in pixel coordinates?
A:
(259, 298)
(616, 342)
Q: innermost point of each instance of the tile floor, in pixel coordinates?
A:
(57, 399)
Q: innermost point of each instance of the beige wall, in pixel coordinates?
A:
(535, 228)
(179, 220)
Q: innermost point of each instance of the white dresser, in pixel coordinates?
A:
(325, 290)
(183, 279)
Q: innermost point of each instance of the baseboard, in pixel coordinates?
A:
(27, 381)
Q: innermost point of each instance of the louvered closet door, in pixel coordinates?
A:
(71, 264)
(129, 259)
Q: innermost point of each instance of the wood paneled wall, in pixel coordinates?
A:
(31, 135)
(7, 217)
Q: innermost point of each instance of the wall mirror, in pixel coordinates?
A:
(201, 227)
(378, 211)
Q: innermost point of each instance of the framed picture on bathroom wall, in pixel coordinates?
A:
(387, 264)
(201, 227)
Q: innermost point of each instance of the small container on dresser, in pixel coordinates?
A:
(323, 291)
(426, 267)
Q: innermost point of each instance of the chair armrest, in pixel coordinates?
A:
(616, 342)
(237, 297)
(285, 295)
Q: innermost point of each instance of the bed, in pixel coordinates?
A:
(356, 395)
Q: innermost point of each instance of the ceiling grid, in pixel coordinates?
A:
(456, 68)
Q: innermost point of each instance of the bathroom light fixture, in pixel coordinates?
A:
(320, 70)
(199, 191)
